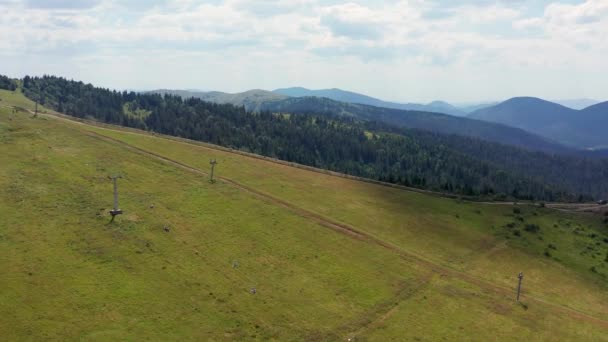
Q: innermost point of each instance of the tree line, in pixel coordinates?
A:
(7, 83)
(374, 150)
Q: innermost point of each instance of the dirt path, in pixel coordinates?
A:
(389, 308)
(358, 234)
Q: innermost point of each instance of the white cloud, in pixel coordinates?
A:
(528, 23)
(491, 13)
(588, 12)
(357, 45)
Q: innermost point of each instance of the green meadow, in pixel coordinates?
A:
(329, 258)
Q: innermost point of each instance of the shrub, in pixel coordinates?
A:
(516, 211)
(532, 228)
(547, 254)
(516, 232)
(552, 246)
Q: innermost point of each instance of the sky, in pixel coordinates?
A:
(406, 51)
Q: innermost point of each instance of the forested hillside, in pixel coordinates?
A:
(252, 100)
(369, 149)
(434, 122)
(336, 101)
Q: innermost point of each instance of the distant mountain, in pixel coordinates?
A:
(251, 100)
(471, 107)
(290, 100)
(578, 128)
(593, 121)
(577, 103)
(433, 122)
(352, 97)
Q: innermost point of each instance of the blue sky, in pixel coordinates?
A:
(409, 51)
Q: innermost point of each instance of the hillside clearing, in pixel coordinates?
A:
(445, 268)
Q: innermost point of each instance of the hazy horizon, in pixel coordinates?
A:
(466, 103)
(401, 51)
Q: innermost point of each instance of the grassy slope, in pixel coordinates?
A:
(73, 275)
(464, 236)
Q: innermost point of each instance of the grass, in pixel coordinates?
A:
(452, 233)
(132, 279)
(453, 309)
(71, 275)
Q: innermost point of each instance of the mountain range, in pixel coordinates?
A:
(584, 128)
(261, 100)
(352, 97)
(524, 121)
(428, 121)
(252, 100)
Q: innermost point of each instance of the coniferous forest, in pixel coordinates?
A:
(7, 83)
(370, 149)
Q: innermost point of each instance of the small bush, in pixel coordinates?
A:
(519, 218)
(547, 254)
(552, 246)
(511, 225)
(516, 232)
(532, 228)
(516, 211)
